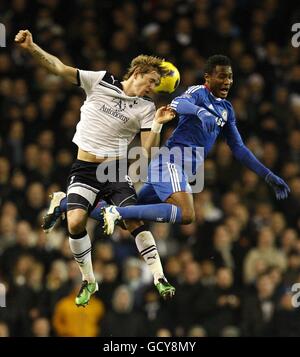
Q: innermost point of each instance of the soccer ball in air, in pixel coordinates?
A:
(170, 82)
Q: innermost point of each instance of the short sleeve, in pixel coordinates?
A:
(148, 117)
(87, 79)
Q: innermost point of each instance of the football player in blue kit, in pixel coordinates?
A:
(204, 113)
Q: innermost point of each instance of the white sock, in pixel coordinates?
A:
(147, 248)
(81, 249)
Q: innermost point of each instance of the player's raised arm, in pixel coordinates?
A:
(52, 63)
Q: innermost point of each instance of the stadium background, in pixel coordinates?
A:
(234, 267)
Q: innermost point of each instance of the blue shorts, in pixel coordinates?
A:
(164, 179)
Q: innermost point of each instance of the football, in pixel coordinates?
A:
(170, 82)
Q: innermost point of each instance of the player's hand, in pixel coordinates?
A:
(24, 39)
(164, 114)
(280, 187)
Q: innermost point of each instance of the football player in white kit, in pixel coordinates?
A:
(113, 113)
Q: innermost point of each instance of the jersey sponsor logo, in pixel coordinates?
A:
(114, 113)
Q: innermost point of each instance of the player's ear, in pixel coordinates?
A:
(206, 77)
(136, 73)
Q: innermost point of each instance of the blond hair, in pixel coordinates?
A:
(146, 64)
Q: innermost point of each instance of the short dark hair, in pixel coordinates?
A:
(216, 60)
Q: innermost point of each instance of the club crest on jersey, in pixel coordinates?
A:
(119, 105)
(224, 115)
(222, 121)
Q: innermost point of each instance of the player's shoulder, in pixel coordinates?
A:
(147, 99)
(228, 105)
(146, 103)
(199, 89)
(193, 91)
(111, 80)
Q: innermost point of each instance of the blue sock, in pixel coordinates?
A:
(95, 213)
(63, 204)
(162, 212)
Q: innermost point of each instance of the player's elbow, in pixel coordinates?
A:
(188, 216)
(67, 72)
(58, 68)
(239, 151)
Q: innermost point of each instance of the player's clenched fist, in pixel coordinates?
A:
(24, 38)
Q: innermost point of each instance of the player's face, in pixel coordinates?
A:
(219, 81)
(145, 82)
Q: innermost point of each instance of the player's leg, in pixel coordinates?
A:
(184, 201)
(146, 246)
(81, 196)
(147, 196)
(123, 194)
(175, 210)
(81, 247)
(144, 239)
(58, 208)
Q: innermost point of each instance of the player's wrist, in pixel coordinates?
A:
(31, 47)
(268, 177)
(156, 127)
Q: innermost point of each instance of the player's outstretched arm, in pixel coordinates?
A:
(24, 39)
(247, 158)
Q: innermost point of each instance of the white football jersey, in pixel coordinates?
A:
(109, 118)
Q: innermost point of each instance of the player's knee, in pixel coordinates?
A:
(76, 222)
(188, 216)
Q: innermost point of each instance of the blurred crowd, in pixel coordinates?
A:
(233, 268)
